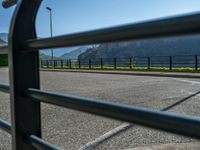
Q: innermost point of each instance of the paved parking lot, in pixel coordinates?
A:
(71, 130)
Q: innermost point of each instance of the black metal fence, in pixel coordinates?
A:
(24, 88)
(159, 62)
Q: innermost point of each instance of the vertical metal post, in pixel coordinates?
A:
(51, 64)
(61, 63)
(90, 64)
(101, 60)
(41, 63)
(24, 74)
(149, 62)
(70, 64)
(67, 63)
(196, 62)
(79, 63)
(115, 63)
(54, 63)
(51, 29)
(170, 62)
(130, 62)
(47, 63)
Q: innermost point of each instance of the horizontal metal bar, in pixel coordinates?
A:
(181, 25)
(4, 49)
(171, 122)
(8, 3)
(41, 144)
(6, 126)
(35, 141)
(4, 88)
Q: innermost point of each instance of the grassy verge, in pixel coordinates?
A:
(183, 69)
(3, 60)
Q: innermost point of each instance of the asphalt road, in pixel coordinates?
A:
(71, 130)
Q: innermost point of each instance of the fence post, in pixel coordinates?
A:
(61, 63)
(79, 63)
(50, 63)
(41, 63)
(196, 63)
(101, 61)
(170, 62)
(90, 64)
(47, 63)
(130, 62)
(24, 74)
(149, 62)
(70, 64)
(67, 63)
(54, 63)
(115, 63)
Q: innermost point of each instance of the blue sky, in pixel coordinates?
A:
(78, 15)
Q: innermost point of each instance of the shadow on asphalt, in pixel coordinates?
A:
(180, 101)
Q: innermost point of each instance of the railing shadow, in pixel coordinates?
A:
(180, 101)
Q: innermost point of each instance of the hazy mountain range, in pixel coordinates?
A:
(59, 53)
(66, 53)
(1, 42)
(189, 45)
(75, 53)
(4, 37)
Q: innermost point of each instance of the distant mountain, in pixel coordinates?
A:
(189, 45)
(57, 51)
(75, 53)
(4, 37)
(2, 42)
(44, 56)
(68, 53)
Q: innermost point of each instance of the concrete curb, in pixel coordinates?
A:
(135, 73)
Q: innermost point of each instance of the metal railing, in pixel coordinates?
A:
(181, 62)
(4, 49)
(23, 47)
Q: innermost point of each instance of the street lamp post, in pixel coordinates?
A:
(51, 30)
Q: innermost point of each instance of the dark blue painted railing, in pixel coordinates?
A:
(23, 47)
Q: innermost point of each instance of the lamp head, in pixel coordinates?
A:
(48, 8)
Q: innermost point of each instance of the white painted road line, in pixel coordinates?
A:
(188, 81)
(125, 126)
(108, 135)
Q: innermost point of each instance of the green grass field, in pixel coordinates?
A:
(3, 60)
